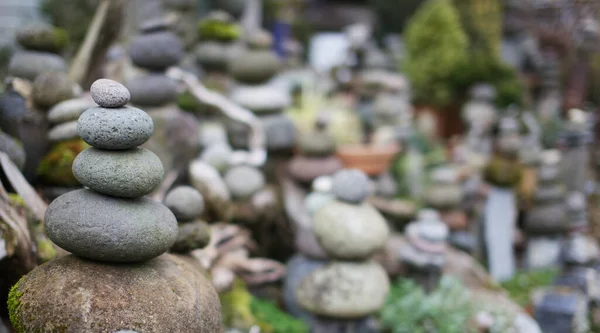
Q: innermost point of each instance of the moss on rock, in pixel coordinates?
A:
(56, 167)
(14, 305)
(49, 39)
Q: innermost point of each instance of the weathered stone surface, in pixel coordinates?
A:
(124, 173)
(192, 236)
(154, 89)
(348, 231)
(255, 66)
(68, 110)
(344, 289)
(62, 132)
(13, 149)
(115, 129)
(156, 50)
(351, 185)
(165, 294)
(306, 169)
(243, 181)
(52, 88)
(30, 64)
(185, 202)
(109, 93)
(298, 268)
(262, 99)
(105, 228)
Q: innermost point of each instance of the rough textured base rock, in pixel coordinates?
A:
(122, 173)
(344, 290)
(122, 128)
(71, 295)
(105, 228)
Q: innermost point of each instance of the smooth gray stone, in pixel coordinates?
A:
(280, 132)
(298, 268)
(109, 93)
(115, 129)
(63, 132)
(192, 236)
(243, 181)
(68, 110)
(13, 149)
(350, 185)
(29, 64)
(121, 173)
(99, 227)
(153, 89)
(156, 50)
(52, 88)
(185, 202)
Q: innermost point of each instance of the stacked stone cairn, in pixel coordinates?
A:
(218, 33)
(341, 294)
(127, 284)
(187, 205)
(445, 194)
(42, 45)
(316, 156)
(425, 254)
(252, 69)
(185, 12)
(546, 222)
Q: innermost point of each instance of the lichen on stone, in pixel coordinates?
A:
(14, 304)
(56, 167)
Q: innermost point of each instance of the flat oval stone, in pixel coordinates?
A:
(185, 202)
(99, 227)
(109, 94)
(350, 232)
(306, 169)
(152, 90)
(68, 110)
(351, 185)
(29, 64)
(243, 181)
(280, 131)
(62, 132)
(344, 289)
(192, 236)
(255, 66)
(263, 99)
(123, 173)
(316, 143)
(115, 129)
(52, 88)
(156, 50)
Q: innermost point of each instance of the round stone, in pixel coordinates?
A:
(316, 200)
(280, 131)
(100, 227)
(351, 185)
(121, 173)
(29, 64)
(298, 268)
(165, 294)
(154, 89)
(185, 202)
(218, 155)
(207, 179)
(41, 37)
(115, 129)
(52, 88)
(322, 184)
(243, 181)
(109, 93)
(255, 66)
(348, 231)
(306, 169)
(13, 149)
(213, 55)
(68, 110)
(261, 99)
(344, 290)
(317, 143)
(62, 132)
(156, 50)
(192, 236)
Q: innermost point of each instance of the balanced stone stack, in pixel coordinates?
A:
(424, 256)
(345, 291)
(218, 33)
(316, 156)
(446, 194)
(576, 139)
(184, 12)
(187, 205)
(112, 223)
(253, 69)
(546, 222)
(42, 44)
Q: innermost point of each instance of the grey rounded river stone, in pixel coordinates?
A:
(185, 202)
(62, 132)
(192, 236)
(153, 89)
(105, 228)
(68, 110)
(156, 50)
(29, 64)
(243, 181)
(122, 128)
(123, 173)
(351, 185)
(109, 94)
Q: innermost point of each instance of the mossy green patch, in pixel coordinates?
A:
(236, 309)
(45, 250)
(56, 166)
(502, 172)
(523, 284)
(211, 29)
(14, 305)
(279, 321)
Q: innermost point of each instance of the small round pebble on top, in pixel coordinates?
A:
(185, 202)
(109, 94)
(351, 185)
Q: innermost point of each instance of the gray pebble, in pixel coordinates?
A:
(351, 185)
(152, 90)
(68, 110)
(29, 64)
(121, 173)
(115, 129)
(13, 148)
(52, 88)
(62, 132)
(243, 181)
(156, 50)
(105, 228)
(185, 202)
(109, 93)
(192, 236)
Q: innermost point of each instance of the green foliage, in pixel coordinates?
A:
(482, 21)
(523, 284)
(187, 102)
(14, 304)
(212, 29)
(56, 167)
(279, 321)
(436, 46)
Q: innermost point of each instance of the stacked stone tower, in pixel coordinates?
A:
(111, 223)
(350, 287)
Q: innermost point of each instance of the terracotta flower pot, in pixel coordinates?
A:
(372, 160)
